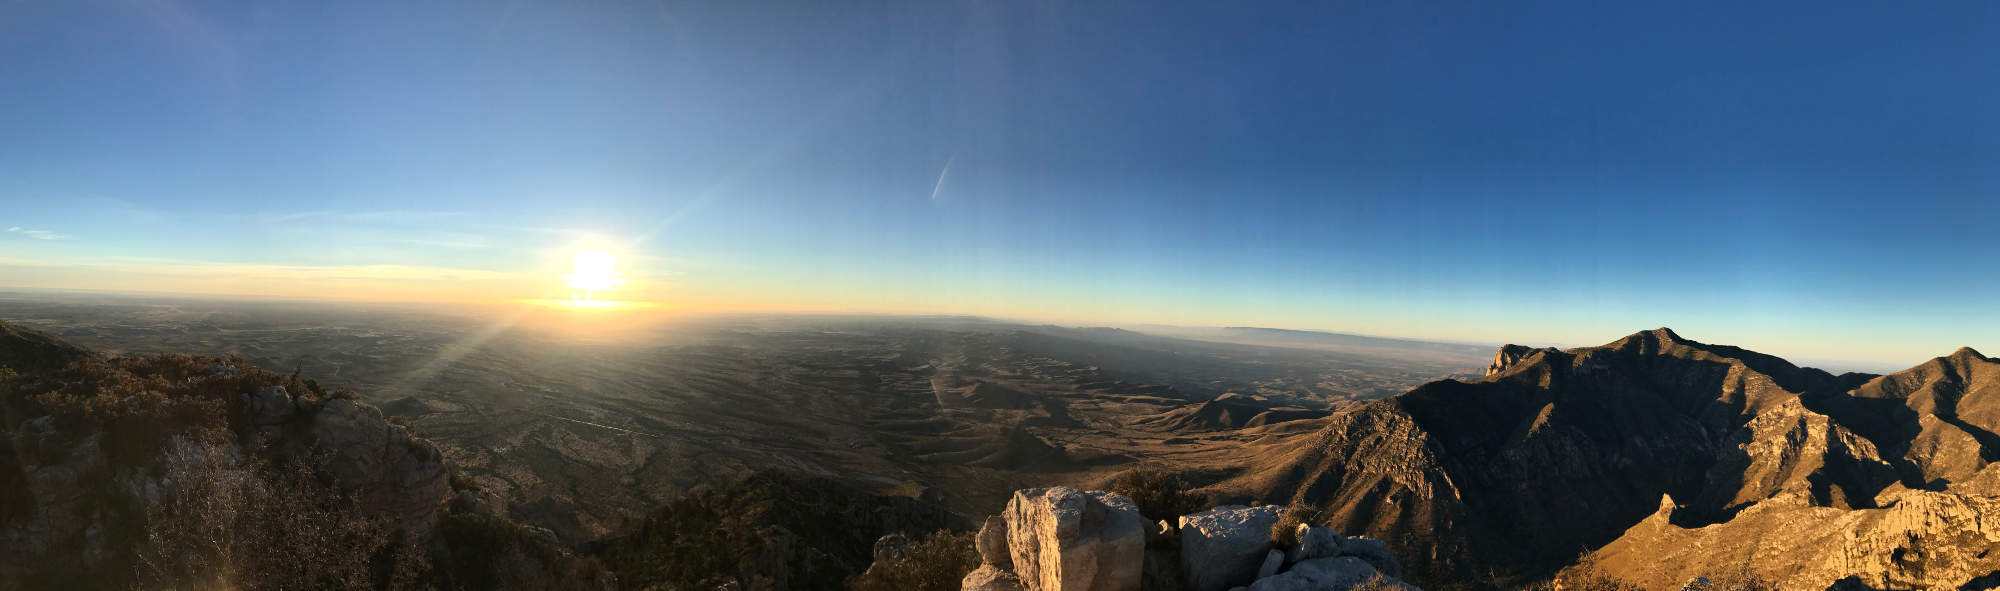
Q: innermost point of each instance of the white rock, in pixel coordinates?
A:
(990, 578)
(1315, 542)
(1062, 539)
(1375, 552)
(1222, 547)
(1272, 562)
(1323, 574)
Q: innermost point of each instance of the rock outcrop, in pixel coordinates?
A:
(1063, 539)
(388, 471)
(1314, 542)
(1326, 574)
(1223, 547)
(992, 543)
(1512, 354)
(990, 578)
(1057, 544)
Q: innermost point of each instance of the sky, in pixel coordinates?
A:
(1813, 179)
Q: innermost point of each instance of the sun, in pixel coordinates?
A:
(593, 271)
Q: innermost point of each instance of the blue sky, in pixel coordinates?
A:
(1811, 179)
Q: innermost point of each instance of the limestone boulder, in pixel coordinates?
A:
(1374, 552)
(1325, 574)
(1223, 547)
(990, 578)
(1063, 539)
(1314, 542)
(1272, 562)
(992, 543)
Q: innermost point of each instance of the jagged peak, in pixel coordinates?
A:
(1511, 354)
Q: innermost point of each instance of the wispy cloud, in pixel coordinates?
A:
(351, 216)
(36, 234)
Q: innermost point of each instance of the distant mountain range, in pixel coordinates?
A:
(1286, 336)
(1672, 459)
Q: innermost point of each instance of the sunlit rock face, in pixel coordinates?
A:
(1508, 355)
(1933, 528)
(1063, 539)
(1806, 477)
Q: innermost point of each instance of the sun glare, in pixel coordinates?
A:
(593, 271)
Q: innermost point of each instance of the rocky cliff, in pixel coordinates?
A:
(1555, 452)
(1932, 528)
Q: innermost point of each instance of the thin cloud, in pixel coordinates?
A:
(349, 216)
(942, 175)
(36, 234)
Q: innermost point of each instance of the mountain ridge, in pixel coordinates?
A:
(1558, 451)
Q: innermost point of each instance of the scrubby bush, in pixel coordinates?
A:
(1743, 578)
(1586, 576)
(223, 523)
(1583, 576)
(1160, 494)
(1378, 583)
(179, 503)
(772, 529)
(936, 563)
(1286, 531)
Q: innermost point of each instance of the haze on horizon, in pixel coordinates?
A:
(1801, 179)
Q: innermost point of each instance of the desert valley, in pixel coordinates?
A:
(1478, 469)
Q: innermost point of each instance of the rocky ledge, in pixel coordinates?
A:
(1062, 539)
